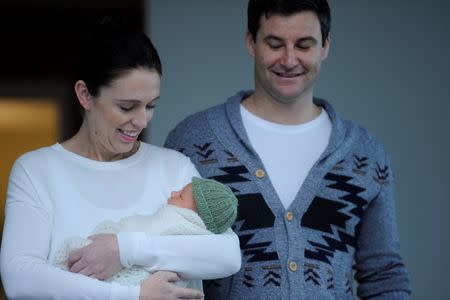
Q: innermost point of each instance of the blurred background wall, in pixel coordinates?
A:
(388, 70)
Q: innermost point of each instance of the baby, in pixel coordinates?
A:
(203, 206)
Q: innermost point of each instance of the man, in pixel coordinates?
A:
(315, 191)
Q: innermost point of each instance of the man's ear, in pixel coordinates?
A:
(250, 43)
(326, 48)
(84, 97)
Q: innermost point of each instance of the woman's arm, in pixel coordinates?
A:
(25, 270)
(192, 256)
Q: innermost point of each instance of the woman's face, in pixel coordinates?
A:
(122, 110)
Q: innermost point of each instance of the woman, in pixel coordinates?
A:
(104, 172)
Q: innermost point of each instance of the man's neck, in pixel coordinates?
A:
(298, 112)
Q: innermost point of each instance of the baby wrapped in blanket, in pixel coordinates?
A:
(203, 206)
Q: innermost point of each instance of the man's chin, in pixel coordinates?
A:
(287, 98)
(290, 95)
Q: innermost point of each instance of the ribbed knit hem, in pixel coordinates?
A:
(397, 295)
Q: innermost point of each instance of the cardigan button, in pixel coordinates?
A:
(289, 216)
(293, 266)
(260, 173)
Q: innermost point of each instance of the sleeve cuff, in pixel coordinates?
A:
(129, 244)
(397, 295)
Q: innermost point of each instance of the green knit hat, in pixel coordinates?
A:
(216, 204)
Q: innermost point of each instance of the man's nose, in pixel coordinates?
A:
(289, 59)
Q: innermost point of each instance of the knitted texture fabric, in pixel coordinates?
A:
(341, 220)
(216, 204)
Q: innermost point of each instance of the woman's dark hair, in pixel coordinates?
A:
(257, 8)
(111, 49)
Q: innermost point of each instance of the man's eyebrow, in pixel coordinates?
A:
(272, 37)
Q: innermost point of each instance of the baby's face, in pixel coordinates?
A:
(183, 198)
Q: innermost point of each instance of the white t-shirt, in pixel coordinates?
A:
(287, 152)
(54, 194)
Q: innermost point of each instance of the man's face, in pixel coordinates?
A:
(288, 52)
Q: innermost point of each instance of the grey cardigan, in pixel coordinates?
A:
(343, 217)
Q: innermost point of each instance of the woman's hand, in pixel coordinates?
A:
(100, 259)
(161, 286)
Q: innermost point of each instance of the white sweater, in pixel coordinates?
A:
(54, 194)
